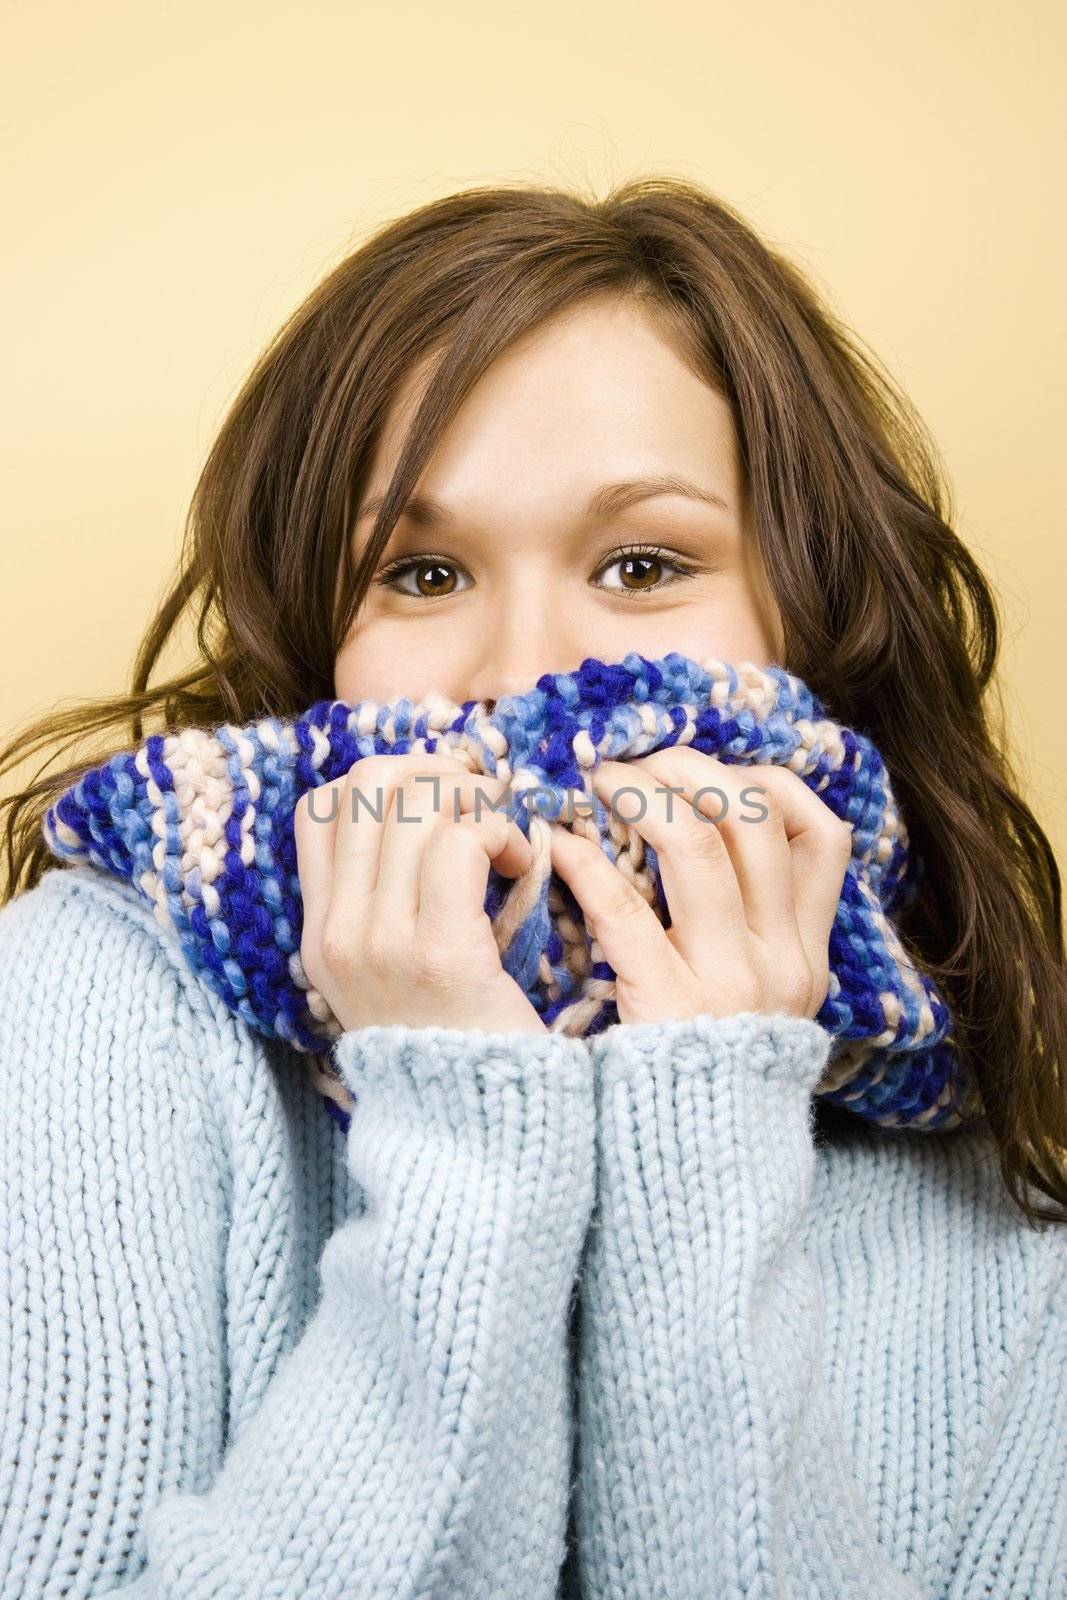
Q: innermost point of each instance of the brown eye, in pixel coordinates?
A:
(434, 578)
(438, 582)
(643, 570)
(639, 567)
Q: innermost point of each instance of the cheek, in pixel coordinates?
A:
(358, 669)
(731, 625)
(380, 662)
(746, 621)
(764, 616)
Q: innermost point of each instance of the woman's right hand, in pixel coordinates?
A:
(395, 928)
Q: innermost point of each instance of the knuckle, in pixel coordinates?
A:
(842, 834)
(774, 808)
(380, 763)
(336, 949)
(364, 781)
(379, 949)
(453, 834)
(795, 981)
(366, 769)
(708, 842)
(370, 774)
(623, 903)
(474, 833)
(429, 962)
(433, 836)
(414, 792)
(668, 760)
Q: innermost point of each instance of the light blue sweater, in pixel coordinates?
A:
(245, 1357)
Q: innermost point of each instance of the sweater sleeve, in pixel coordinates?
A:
(711, 1458)
(416, 1440)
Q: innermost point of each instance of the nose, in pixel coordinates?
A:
(514, 657)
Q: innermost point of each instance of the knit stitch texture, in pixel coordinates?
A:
(202, 823)
(242, 1359)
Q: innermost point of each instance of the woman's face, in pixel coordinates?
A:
(517, 535)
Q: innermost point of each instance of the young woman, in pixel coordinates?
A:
(811, 1356)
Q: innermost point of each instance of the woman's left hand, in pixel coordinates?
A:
(752, 899)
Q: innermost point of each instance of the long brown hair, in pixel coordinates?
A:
(886, 614)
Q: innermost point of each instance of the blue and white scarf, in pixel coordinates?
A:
(201, 822)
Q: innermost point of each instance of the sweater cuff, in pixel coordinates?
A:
(773, 1046)
(435, 1058)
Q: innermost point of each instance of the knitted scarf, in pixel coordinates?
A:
(201, 822)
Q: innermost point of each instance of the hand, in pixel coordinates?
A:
(395, 928)
(752, 902)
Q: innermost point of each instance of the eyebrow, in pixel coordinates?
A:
(607, 501)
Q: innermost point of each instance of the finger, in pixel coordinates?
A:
(750, 822)
(820, 844)
(454, 869)
(367, 801)
(695, 868)
(421, 802)
(314, 837)
(630, 935)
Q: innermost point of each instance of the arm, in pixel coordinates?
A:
(711, 1458)
(415, 1441)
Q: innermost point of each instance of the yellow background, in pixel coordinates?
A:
(179, 176)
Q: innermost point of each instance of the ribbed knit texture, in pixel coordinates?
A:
(241, 1358)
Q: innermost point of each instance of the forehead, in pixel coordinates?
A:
(603, 378)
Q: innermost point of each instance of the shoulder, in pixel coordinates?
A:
(97, 1001)
(904, 1219)
(69, 908)
(78, 921)
(863, 1168)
